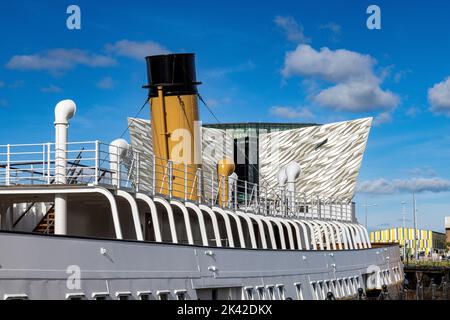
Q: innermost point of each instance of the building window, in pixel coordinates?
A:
(299, 290)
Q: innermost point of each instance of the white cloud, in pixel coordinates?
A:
(135, 49)
(106, 83)
(418, 185)
(413, 112)
(291, 113)
(439, 97)
(293, 30)
(58, 60)
(382, 118)
(51, 89)
(357, 97)
(334, 28)
(222, 72)
(335, 66)
(357, 87)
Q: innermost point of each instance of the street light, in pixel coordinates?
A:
(403, 229)
(365, 209)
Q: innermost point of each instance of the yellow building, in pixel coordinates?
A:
(427, 240)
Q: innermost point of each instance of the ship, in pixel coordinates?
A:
(185, 211)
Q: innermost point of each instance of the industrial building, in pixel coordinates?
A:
(426, 241)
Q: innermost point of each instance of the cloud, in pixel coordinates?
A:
(356, 87)
(413, 112)
(291, 113)
(59, 60)
(136, 50)
(222, 72)
(51, 89)
(357, 97)
(418, 185)
(382, 118)
(439, 97)
(293, 30)
(106, 83)
(334, 28)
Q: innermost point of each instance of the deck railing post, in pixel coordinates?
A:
(245, 192)
(235, 194)
(118, 168)
(49, 156)
(170, 165)
(137, 170)
(8, 165)
(265, 199)
(154, 176)
(212, 188)
(199, 185)
(97, 161)
(185, 181)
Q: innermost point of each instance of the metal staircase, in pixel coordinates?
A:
(47, 223)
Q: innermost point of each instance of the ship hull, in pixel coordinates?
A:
(59, 267)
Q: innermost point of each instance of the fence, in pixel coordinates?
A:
(96, 163)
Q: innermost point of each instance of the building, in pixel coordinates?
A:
(428, 241)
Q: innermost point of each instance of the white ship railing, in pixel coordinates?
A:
(89, 163)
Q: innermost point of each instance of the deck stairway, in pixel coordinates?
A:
(47, 223)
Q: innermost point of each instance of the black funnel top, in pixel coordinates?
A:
(174, 72)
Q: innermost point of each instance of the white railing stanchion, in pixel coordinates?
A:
(137, 177)
(185, 182)
(118, 168)
(245, 194)
(199, 185)
(49, 156)
(154, 176)
(97, 161)
(8, 165)
(170, 167)
(212, 188)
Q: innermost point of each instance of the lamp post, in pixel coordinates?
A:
(416, 251)
(365, 209)
(403, 229)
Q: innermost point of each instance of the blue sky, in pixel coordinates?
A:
(302, 61)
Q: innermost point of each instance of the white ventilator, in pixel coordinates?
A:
(64, 111)
(118, 149)
(293, 171)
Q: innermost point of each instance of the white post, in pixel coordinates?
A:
(8, 165)
(97, 161)
(64, 111)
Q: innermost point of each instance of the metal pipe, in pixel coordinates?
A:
(64, 111)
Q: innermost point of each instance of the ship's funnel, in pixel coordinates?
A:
(174, 116)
